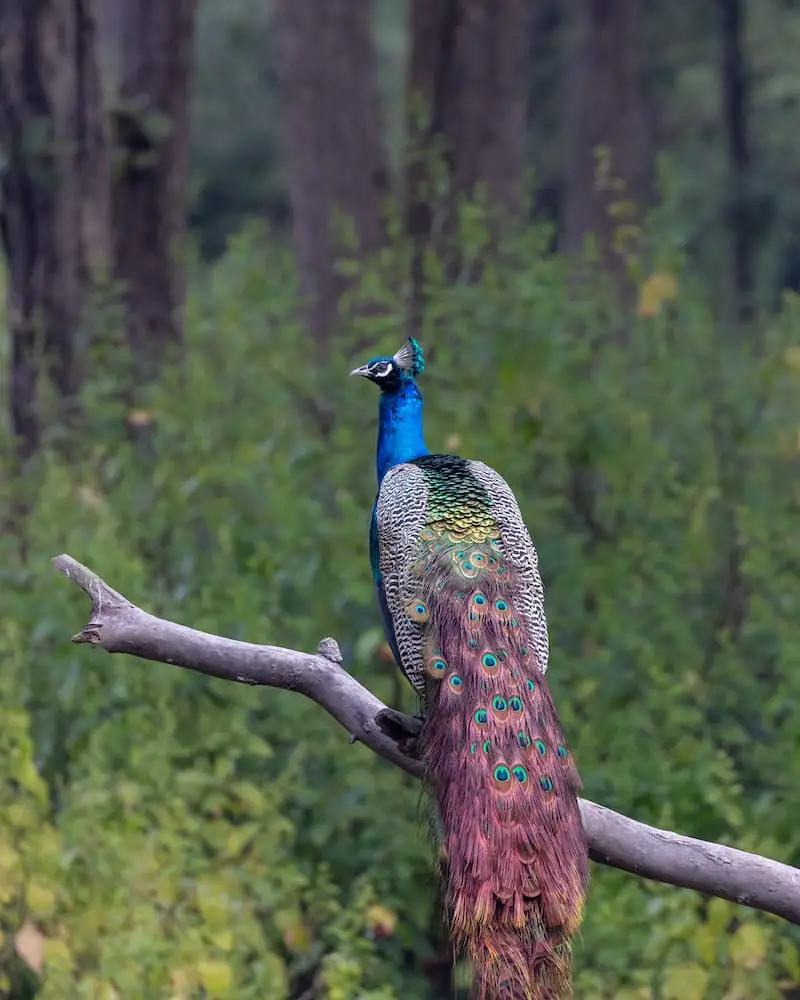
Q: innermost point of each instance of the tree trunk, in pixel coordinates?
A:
(55, 195)
(152, 131)
(468, 86)
(609, 168)
(333, 140)
(109, 29)
(735, 101)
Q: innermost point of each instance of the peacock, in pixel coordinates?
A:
(462, 603)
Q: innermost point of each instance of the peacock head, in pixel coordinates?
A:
(391, 373)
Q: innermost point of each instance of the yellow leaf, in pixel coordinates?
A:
(57, 954)
(29, 942)
(296, 935)
(212, 902)
(240, 837)
(223, 940)
(30, 779)
(103, 991)
(48, 844)
(9, 859)
(792, 358)
(274, 973)
(250, 795)
(704, 942)
(719, 914)
(625, 236)
(659, 288)
(382, 921)
(686, 982)
(216, 977)
(790, 960)
(165, 889)
(20, 816)
(41, 901)
(748, 946)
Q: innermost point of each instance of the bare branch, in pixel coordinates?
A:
(118, 626)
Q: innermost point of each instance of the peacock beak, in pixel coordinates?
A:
(363, 370)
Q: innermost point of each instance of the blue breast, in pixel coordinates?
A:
(400, 433)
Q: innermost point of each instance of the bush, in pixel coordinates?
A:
(178, 833)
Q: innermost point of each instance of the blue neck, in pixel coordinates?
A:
(400, 435)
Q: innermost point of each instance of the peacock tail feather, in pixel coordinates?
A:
(459, 581)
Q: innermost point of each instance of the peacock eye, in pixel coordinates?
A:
(382, 370)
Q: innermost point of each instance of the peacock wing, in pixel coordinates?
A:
(400, 514)
(520, 552)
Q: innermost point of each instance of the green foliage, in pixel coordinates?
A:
(163, 834)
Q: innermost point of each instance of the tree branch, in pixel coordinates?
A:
(118, 626)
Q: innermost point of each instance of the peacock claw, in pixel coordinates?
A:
(403, 729)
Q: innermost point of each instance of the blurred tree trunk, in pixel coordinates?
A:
(735, 113)
(609, 167)
(55, 196)
(152, 132)
(335, 156)
(468, 85)
(109, 28)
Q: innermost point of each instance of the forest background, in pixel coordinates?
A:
(590, 215)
